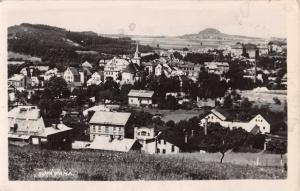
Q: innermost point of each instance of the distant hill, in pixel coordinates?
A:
(60, 45)
(214, 34)
(209, 37)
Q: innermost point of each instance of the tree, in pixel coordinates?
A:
(220, 139)
(55, 110)
(58, 87)
(171, 102)
(276, 100)
(246, 104)
(227, 102)
(177, 55)
(170, 123)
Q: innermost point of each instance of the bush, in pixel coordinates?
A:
(276, 100)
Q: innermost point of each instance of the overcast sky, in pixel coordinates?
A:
(261, 19)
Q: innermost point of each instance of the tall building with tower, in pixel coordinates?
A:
(137, 55)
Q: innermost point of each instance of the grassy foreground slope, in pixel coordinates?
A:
(34, 164)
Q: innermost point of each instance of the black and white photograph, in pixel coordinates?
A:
(147, 91)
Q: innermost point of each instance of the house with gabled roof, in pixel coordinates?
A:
(105, 123)
(71, 74)
(96, 78)
(140, 97)
(19, 81)
(27, 125)
(86, 64)
(114, 67)
(112, 144)
(131, 74)
(257, 124)
(158, 140)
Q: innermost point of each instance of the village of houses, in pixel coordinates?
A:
(106, 122)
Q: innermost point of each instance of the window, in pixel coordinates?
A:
(158, 141)
(165, 142)
(99, 129)
(143, 133)
(158, 150)
(114, 128)
(106, 129)
(164, 151)
(173, 148)
(120, 128)
(264, 128)
(94, 128)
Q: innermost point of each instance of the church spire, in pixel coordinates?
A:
(136, 58)
(136, 50)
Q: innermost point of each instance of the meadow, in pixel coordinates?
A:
(30, 163)
(260, 159)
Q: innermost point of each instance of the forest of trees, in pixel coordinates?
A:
(59, 45)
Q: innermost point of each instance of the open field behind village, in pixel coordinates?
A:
(29, 163)
(252, 159)
(175, 115)
(267, 98)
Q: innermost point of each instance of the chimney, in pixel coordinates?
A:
(205, 127)
(255, 70)
(54, 126)
(111, 138)
(185, 138)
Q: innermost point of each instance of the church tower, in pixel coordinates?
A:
(137, 59)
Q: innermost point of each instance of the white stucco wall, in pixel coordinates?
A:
(259, 121)
(164, 145)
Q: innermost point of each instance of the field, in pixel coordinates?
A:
(175, 115)
(266, 98)
(252, 159)
(30, 163)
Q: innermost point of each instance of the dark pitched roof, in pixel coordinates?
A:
(173, 138)
(255, 130)
(131, 68)
(74, 71)
(87, 70)
(222, 112)
(250, 46)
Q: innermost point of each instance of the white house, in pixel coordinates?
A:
(217, 67)
(130, 74)
(19, 81)
(34, 81)
(140, 97)
(114, 67)
(155, 142)
(164, 146)
(149, 67)
(95, 108)
(71, 74)
(164, 68)
(206, 102)
(96, 78)
(50, 73)
(25, 121)
(106, 123)
(158, 70)
(237, 50)
(217, 116)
